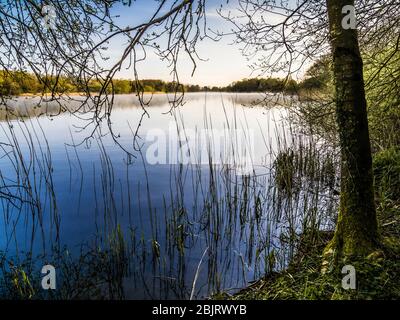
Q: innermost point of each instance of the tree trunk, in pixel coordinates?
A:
(356, 230)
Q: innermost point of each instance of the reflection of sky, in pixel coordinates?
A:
(224, 61)
(85, 190)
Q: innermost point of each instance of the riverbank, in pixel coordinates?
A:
(74, 94)
(376, 276)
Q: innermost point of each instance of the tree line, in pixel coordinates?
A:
(15, 83)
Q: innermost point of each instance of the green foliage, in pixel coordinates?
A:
(382, 74)
(319, 76)
(97, 272)
(382, 79)
(386, 165)
(292, 165)
(16, 83)
(263, 85)
(285, 171)
(303, 280)
(122, 86)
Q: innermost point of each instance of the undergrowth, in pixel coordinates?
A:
(376, 276)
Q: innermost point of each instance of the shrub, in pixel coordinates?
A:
(386, 165)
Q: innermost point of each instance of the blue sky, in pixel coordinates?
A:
(224, 61)
(224, 64)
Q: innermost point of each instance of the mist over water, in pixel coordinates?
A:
(178, 229)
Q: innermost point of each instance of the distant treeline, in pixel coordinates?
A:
(17, 83)
(263, 85)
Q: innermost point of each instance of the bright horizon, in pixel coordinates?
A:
(224, 63)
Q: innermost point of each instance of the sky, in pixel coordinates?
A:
(224, 62)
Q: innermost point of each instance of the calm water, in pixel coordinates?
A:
(181, 218)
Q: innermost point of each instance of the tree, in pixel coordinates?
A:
(356, 230)
(319, 75)
(284, 36)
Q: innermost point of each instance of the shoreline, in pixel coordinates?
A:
(83, 94)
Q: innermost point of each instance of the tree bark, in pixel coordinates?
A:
(356, 230)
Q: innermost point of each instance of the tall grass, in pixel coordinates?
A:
(216, 229)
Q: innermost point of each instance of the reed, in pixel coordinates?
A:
(239, 226)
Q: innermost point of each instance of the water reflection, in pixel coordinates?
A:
(123, 227)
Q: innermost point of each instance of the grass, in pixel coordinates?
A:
(97, 272)
(377, 278)
(377, 275)
(236, 217)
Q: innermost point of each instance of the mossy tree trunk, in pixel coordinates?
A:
(356, 230)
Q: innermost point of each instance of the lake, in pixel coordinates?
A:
(179, 207)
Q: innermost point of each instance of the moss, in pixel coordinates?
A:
(356, 232)
(376, 274)
(377, 278)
